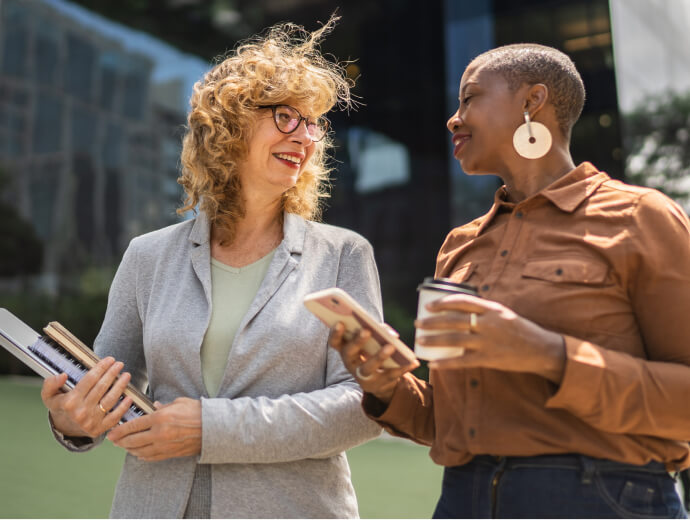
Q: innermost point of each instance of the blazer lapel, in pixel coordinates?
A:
(284, 261)
(201, 253)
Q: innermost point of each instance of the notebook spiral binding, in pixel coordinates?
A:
(60, 360)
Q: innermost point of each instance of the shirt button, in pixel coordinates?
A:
(485, 287)
(504, 252)
(472, 432)
(474, 383)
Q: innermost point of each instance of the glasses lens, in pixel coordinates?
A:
(317, 130)
(287, 118)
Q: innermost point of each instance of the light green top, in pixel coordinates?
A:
(232, 291)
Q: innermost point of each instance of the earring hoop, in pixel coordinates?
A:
(532, 140)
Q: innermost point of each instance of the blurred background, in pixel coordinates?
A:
(93, 95)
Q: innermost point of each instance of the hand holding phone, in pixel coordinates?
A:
(335, 305)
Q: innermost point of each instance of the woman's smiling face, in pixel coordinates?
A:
(483, 126)
(275, 160)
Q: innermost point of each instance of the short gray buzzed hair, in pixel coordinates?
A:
(530, 63)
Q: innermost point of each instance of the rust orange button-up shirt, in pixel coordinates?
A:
(605, 264)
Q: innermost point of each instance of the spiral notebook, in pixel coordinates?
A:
(58, 351)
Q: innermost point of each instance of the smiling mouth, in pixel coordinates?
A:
(459, 141)
(290, 158)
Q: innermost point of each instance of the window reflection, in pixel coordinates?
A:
(379, 162)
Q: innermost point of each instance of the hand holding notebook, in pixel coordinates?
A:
(68, 364)
(96, 403)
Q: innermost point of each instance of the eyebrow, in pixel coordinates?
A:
(464, 87)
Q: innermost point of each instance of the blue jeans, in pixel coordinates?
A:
(557, 486)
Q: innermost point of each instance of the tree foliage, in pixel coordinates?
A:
(657, 139)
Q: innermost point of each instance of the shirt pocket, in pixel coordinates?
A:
(568, 270)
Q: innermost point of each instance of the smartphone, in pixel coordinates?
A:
(335, 305)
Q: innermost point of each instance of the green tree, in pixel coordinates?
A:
(657, 140)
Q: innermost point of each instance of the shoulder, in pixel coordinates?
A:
(166, 246)
(462, 234)
(333, 238)
(641, 201)
(164, 239)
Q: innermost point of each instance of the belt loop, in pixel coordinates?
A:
(588, 469)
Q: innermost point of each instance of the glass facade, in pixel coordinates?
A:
(79, 137)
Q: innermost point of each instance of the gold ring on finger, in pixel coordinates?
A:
(102, 409)
(473, 322)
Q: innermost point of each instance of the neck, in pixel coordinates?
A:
(532, 176)
(262, 223)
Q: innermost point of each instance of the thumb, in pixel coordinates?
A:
(52, 386)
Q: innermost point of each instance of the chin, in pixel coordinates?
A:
(472, 168)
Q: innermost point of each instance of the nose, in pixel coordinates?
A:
(454, 122)
(301, 135)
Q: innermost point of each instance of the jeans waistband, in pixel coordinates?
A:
(568, 461)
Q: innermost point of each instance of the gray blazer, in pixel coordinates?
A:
(287, 409)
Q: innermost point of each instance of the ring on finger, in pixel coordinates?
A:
(102, 409)
(360, 376)
(473, 322)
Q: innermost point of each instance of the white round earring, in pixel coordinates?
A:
(532, 140)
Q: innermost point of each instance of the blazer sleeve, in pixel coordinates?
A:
(619, 393)
(120, 337)
(316, 424)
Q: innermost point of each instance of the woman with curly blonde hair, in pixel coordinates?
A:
(253, 411)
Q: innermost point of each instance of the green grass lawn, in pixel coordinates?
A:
(39, 479)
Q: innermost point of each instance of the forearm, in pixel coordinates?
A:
(314, 424)
(619, 393)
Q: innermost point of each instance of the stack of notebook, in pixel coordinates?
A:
(56, 352)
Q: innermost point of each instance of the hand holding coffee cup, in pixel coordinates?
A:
(429, 290)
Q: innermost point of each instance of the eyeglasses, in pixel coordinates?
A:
(288, 118)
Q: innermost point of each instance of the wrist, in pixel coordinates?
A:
(555, 358)
(64, 426)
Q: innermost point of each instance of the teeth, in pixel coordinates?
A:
(291, 158)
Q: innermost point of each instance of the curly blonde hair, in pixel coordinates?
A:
(285, 63)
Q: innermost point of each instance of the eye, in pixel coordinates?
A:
(284, 117)
(466, 100)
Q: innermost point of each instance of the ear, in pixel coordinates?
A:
(536, 98)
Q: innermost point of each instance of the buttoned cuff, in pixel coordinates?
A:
(582, 379)
(408, 411)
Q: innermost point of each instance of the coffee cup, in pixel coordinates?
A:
(429, 290)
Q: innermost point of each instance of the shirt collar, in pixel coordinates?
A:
(566, 193)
